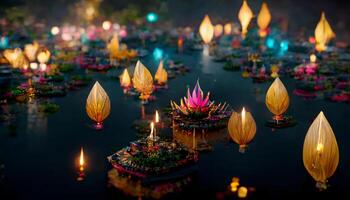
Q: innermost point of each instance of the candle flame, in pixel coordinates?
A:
(152, 130)
(157, 117)
(81, 160)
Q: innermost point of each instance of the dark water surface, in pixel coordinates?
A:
(41, 158)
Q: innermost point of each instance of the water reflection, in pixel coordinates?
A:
(36, 121)
(199, 140)
(142, 189)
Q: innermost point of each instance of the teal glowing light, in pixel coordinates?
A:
(270, 43)
(4, 42)
(158, 53)
(152, 17)
(284, 46)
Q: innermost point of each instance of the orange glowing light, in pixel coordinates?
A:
(245, 15)
(125, 80)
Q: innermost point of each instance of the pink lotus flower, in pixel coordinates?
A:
(197, 102)
(197, 105)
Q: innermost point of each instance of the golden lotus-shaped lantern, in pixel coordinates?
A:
(323, 34)
(113, 46)
(44, 56)
(16, 58)
(218, 30)
(30, 51)
(161, 76)
(277, 99)
(98, 105)
(125, 80)
(245, 15)
(242, 128)
(264, 19)
(320, 151)
(142, 81)
(228, 29)
(206, 30)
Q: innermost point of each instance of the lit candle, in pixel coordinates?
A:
(157, 119)
(242, 192)
(81, 173)
(152, 136)
(81, 160)
(243, 119)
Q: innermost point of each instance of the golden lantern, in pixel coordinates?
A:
(228, 29)
(206, 30)
(142, 81)
(98, 105)
(242, 128)
(264, 19)
(218, 30)
(43, 56)
(320, 151)
(125, 80)
(313, 58)
(113, 46)
(245, 15)
(323, 34)
(30, 51)
(15, 58)
(161, 76)
(277, 99)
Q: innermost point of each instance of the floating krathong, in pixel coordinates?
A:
(30, 51)
(125, 80)
(143, 81)
(43, 56)
(245, 15)
(323, 34)
(242, 128)
(320, 151)
(277, 101)
(98, 105)
(161, 76)
(264, 19)
(16, 58)
(148, 159)
(197, 111)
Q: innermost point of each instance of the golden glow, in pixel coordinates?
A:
(43, 56)
(277, 99)
(245, 15)
(323, 34)
(218, 30)
(142, 81)
(228, 29)
(264, 19)
(157, 119)
(234, 184)
(15, 57)
(320, 151)
(30, 51)
(55, 30)
(43, 67)
(206, 30)
(106, 25)
(242, 192)
(161, 76)
(125, 80)
(313, 58)
(33, 66)
(98, 105)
